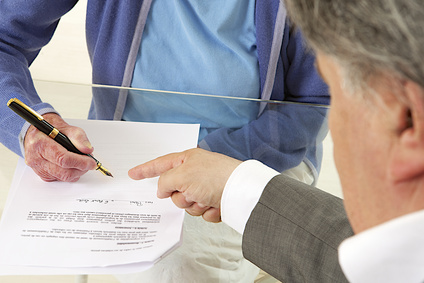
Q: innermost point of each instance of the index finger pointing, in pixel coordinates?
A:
(156, 167)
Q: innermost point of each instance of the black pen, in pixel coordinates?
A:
(38, 121)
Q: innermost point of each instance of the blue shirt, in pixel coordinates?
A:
(199, 47)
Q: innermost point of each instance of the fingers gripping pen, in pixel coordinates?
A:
(38, 121)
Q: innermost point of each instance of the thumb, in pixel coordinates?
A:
(157, 166)
(79, 138)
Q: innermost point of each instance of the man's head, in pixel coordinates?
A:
(370, 53)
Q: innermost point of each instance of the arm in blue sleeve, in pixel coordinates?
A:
(25, 27)
(283, 135)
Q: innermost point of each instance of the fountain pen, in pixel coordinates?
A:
(38, 121)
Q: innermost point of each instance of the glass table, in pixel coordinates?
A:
(243, 128)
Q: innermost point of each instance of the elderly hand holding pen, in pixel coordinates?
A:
(50, 160)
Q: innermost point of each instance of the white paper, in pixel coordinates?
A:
(98, 224)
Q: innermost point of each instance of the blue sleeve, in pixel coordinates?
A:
(284, 135)
(25, 27)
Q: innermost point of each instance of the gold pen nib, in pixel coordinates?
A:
(100, 167)
(103, 170)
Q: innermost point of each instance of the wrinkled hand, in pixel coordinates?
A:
(194, 179)
(50, 160)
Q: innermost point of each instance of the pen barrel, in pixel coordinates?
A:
(43, 126)
(28, 116)
(66, 143)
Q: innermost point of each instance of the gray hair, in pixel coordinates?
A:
(366, 37)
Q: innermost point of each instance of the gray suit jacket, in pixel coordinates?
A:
(294, 232)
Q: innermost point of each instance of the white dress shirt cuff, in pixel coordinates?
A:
(242, 192)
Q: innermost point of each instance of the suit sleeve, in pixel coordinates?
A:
(294, 232)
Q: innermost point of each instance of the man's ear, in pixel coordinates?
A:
(408, 160)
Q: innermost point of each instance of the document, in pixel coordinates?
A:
(98, 224)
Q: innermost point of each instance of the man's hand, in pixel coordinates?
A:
(194, 179)
(50, 160)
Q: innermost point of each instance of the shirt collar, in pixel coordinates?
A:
(390, 252)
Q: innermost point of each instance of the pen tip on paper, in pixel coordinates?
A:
(104, 170)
